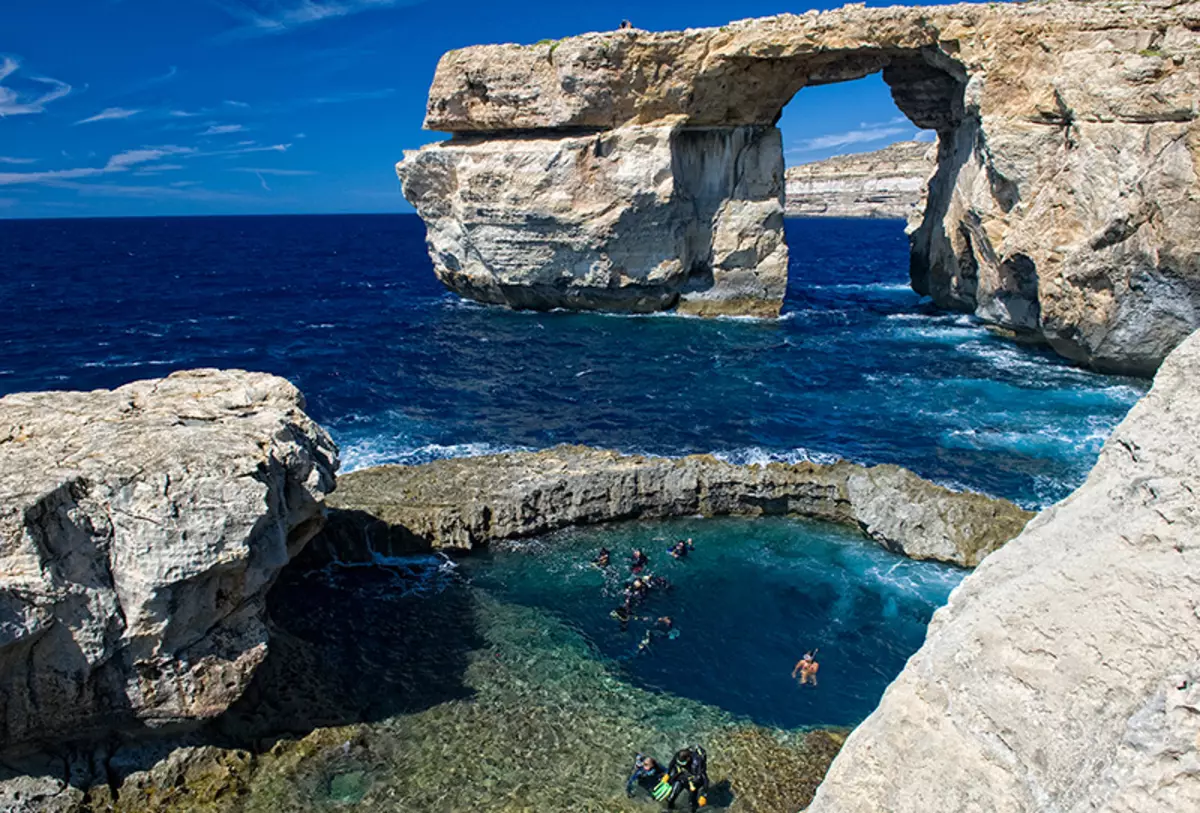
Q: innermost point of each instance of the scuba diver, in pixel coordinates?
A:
(638, 561)
(601, 559)
(663, 628)
(636, 591)
(689, 771)
(651, 776)
(623, 614)
(657, 583)
(682, 548)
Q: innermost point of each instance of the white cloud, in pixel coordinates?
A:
(4, 159)
(263, 17)
(110, 114)
(155, 169)
(928, 136)
(245, 150)
(261, 171)
(232, 103)
(183, 114)
(121, 162)
(353, 96)
(865, 134)
(13, 103)
(222, 129)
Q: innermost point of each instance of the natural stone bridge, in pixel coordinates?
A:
(642, 171)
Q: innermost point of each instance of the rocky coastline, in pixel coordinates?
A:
(635, 171)
(465, 503)
(886, 183)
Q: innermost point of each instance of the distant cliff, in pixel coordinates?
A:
(885, 183)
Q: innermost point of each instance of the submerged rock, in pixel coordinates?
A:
(884, 183)
(141, 529)
(1064, 674)
(467, 502)
(636, 171)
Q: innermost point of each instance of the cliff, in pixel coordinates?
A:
(140, 529)
(1064, 674)
(635, 171)
(890, 183)
(468, 502)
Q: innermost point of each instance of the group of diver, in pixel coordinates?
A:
(687, 771)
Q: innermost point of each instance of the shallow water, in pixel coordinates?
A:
(401, 371)
(501, 683)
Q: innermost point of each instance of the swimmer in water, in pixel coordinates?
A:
(807, 668)
(638, 561)
(601, 559)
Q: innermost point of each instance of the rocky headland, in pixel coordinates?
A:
(636, 171)
(464, 503)
(1064, 674)
(886, 183)
(141, 529)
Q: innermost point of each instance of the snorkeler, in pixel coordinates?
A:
(638, 561)
(689, 771)
(601, 559)
(636, 591)
(807, 668)
(648, 773)
(623, 614)
(657, 583)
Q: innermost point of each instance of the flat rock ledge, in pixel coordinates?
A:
(1064, 674)
(468, 502)
(140, 529)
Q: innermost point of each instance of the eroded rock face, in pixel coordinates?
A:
(140, 529)
(887, 183)
(1064, 674)
(466, 502)
(1063, 206)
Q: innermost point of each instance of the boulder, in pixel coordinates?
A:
(1064, 674)
(140, 529)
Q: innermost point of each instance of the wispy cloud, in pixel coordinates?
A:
(353, 96)
(169, 191)
(246, 150)
(183, 114)
(267, 17)
(233, 103)
(110, 114)
(222, 129)
(156, 169)
(13, 103)
(4, 159)
(263, 171)
(153, 81)
(865, 134)
(121, 162)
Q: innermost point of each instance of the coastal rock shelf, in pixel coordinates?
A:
(885, 183)
(468, 502)
(141, 530)
(1064, 674)
(638, 171)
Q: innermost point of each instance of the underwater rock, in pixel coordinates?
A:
(1063, 206)
(466, 502)
(884, 183)
(141, 530)
(1064, 674)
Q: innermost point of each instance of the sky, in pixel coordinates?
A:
(147, 107)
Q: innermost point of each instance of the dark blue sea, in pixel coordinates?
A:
(400, 370)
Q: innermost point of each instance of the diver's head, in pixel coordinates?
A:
(637, 582)
(648, 762)
(685, 755)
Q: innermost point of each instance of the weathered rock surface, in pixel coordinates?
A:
(140, 529)
(466, 502)
(1063, 206)
(1064, 674)
(888, 183)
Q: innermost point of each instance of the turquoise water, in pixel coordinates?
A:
(746, 604)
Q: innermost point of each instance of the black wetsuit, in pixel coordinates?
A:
(647, 778)
(688, 772)
(638, 561)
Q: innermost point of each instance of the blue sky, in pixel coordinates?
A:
(144, 107)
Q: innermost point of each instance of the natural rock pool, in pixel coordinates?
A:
(502, 680)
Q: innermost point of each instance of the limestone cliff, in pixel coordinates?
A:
(889, 183)
(634, 170)
(468, 502)
(140, 529)
(1064, 674)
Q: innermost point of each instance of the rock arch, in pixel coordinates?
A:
(642, 171)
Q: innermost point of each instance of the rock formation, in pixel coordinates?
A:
(633, 170)
(140, 529)
(466, 502)
(890, 183)
(1064, 674)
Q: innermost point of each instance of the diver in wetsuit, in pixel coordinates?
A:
(623, 614)
(635, 592)
(638, 561)
(601, 559)
(649, 774)
(688, 771)
(682, 548)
